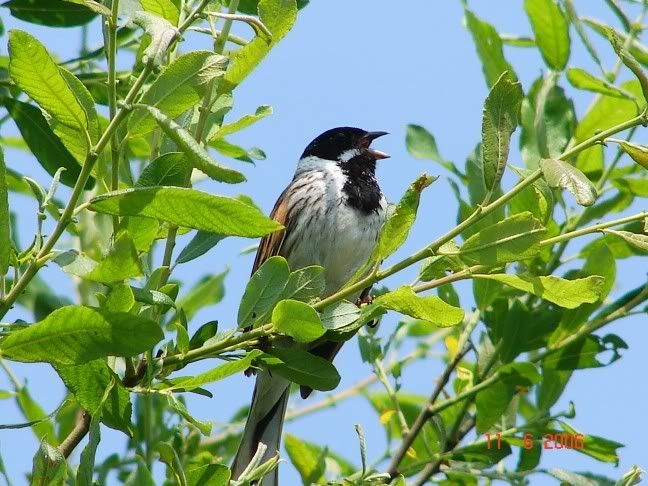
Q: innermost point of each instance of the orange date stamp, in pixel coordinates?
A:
(549, 441)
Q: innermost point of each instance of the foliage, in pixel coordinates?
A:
(120, 346)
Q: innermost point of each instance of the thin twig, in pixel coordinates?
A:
(76, 435)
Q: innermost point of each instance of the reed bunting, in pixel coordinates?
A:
(332, 212)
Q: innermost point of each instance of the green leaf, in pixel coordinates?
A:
(52, 13)
(302, 367)
(73, 138)
(169, 456)
(166, 9)
(209, 475)
(170, 169)
(422, 145)
(638, 153)
(565, 293)
(581, 79)
(120, 263)
(489, 49)
(180, 87)
(119, 299)
(140, 476)
(607, 112)
(77, 334)
(43, 143)
(515, 238)
(279, 17)
(161, 33)
(636, 240)
(499, 121)
(635, 186)
(209, 290)
(152, 297)
(601, 449)
(33, 70)
(561, 174)
(308, 459)
(583, 353)
(551, 31)
(196, 154)
(201, 243)
(494, 400)
(430, 308)
(305, 284)
(188, 383)
(297, 320)
(88, 383)
(395, 230)
(33, 412)
(204, 332)
(263, 290)
(631, 63)
(188, 208)
(180, 408)
(5, 223)
(49, 466)
(339, 315)
(87, 460)
(243, 122)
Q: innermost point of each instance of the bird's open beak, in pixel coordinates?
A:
(366, 142)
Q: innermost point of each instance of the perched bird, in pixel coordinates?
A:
(332, 212)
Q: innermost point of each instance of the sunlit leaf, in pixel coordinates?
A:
(429, 308)
(263, 290)
(551, 31)
(297, 320)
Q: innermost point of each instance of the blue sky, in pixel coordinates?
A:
(378, 65)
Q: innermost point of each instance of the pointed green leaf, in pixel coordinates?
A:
(513, 239)
(308, 459)
(305, 284)
(339, 315)
(49, 466)
(395, 230)
(551, 31)
(209, 475)
(429, 308)
(33, 70)
(638, 153)
(489, 49)
(77, 334)
(565, 293)
(50, 13)
(188, 208)
(243, 122)
(579, 78)
(561, 174)
(608, 111)
(200, 244)
(170, 169)
(631, 63)
(422, 145)
(636, 240)
(87, 459)
(297, 320)
(180, 87)
(279, 17)
(196, 154)
(88, 382)
(263, 290)
(180, 408)
(188, 383)
(302, 367)
(120, 263)
(166, 9)
(5, 223)
(499, 121)
(601, 449)
(43, 143)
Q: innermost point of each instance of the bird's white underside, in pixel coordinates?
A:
(340, 239)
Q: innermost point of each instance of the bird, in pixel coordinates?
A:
(332, 212)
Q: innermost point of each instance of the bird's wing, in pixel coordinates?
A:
(270, 245)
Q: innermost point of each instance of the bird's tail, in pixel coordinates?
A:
(264, 423)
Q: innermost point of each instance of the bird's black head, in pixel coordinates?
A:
(347, 146)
